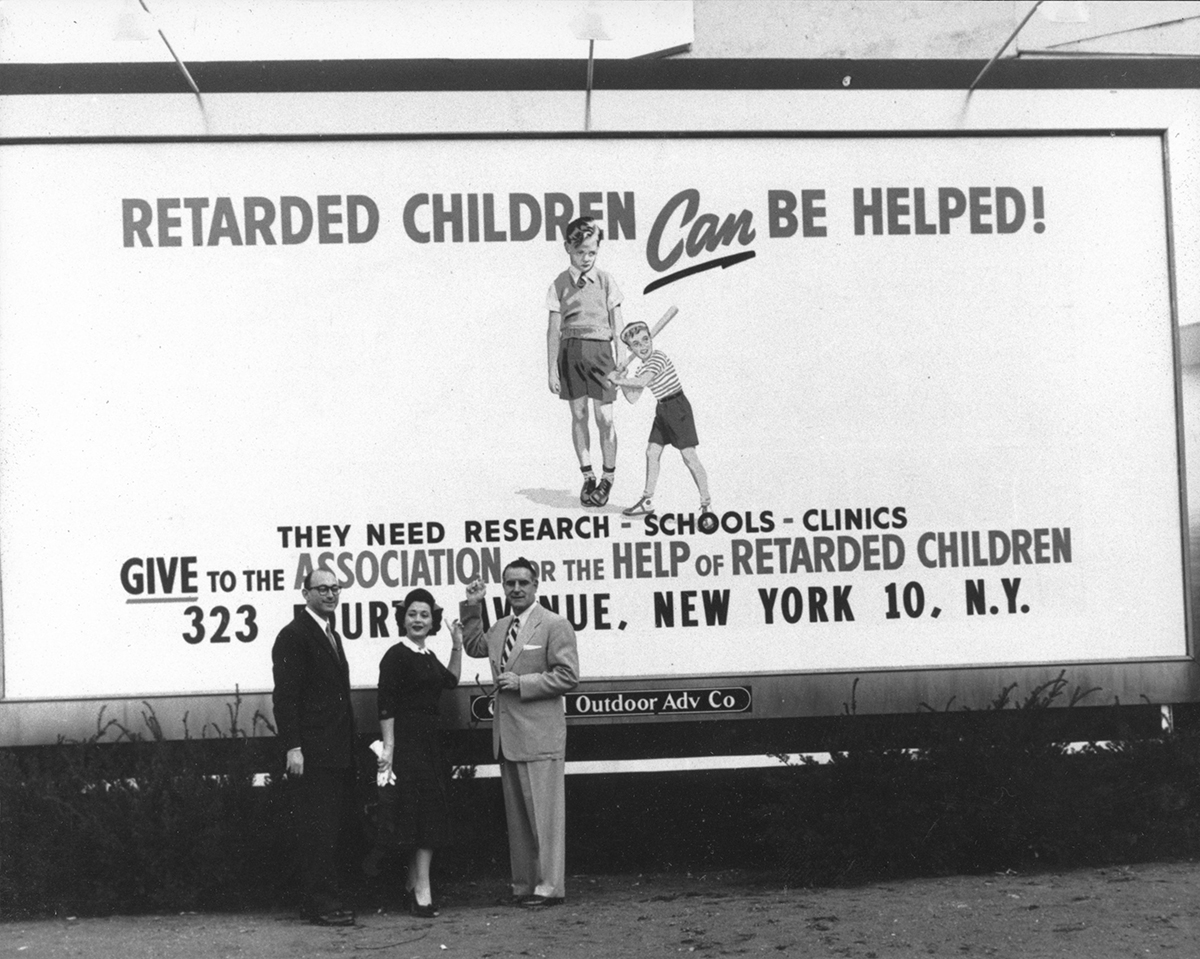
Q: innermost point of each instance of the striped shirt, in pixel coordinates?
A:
(665, 380)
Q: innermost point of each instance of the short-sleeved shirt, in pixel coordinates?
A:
(665, 380)
(585, 308)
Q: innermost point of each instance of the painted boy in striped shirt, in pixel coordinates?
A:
(674, 424)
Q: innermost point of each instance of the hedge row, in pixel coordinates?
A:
(128, 822)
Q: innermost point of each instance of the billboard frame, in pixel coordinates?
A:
(130, 94)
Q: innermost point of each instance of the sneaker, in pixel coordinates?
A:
(603, 488)
(589, 487)
(642, 507)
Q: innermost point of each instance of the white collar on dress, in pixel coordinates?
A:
(414, 647)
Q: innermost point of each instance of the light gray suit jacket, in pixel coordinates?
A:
(530, 724)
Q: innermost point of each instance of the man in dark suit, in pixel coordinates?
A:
(534, 663)
(315, 723)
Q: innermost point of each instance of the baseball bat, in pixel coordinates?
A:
(657, 328)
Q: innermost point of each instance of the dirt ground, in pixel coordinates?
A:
(1093, 913)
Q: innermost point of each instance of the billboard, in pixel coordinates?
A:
(932, 380)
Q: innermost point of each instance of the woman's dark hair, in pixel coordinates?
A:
(419, 596)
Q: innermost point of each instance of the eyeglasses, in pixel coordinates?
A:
(326, 590)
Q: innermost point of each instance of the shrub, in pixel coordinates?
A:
(992, 790)
(130, 822)
(125, 822)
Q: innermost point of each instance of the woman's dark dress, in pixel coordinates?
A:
(414, 811)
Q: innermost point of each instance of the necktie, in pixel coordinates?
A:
(510, 640)
(332, 641)
(582, 281)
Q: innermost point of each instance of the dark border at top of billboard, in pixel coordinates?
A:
(347, 76)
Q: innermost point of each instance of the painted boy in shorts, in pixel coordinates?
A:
(585, 313)
(674, 424)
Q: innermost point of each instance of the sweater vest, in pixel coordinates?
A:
(584, 311)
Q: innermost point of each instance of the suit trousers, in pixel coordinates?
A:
(535, 806)
(324, 827)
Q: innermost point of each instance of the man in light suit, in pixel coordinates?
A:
(534, 662)
(315, 722)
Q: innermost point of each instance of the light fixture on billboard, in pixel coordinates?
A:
(135, 22)
(1012, 36)
(588, 24)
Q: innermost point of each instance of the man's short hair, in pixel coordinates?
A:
(580, 229)
(309, 575)
(523, 563)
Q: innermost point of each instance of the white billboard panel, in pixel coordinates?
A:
(932, 379)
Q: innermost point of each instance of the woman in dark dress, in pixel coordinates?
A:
(411, 681)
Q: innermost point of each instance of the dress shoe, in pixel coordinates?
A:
(422, 912)
(542, 902)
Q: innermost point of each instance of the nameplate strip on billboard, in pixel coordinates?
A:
(643, 702)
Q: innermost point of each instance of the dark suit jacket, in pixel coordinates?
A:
(312, 694)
